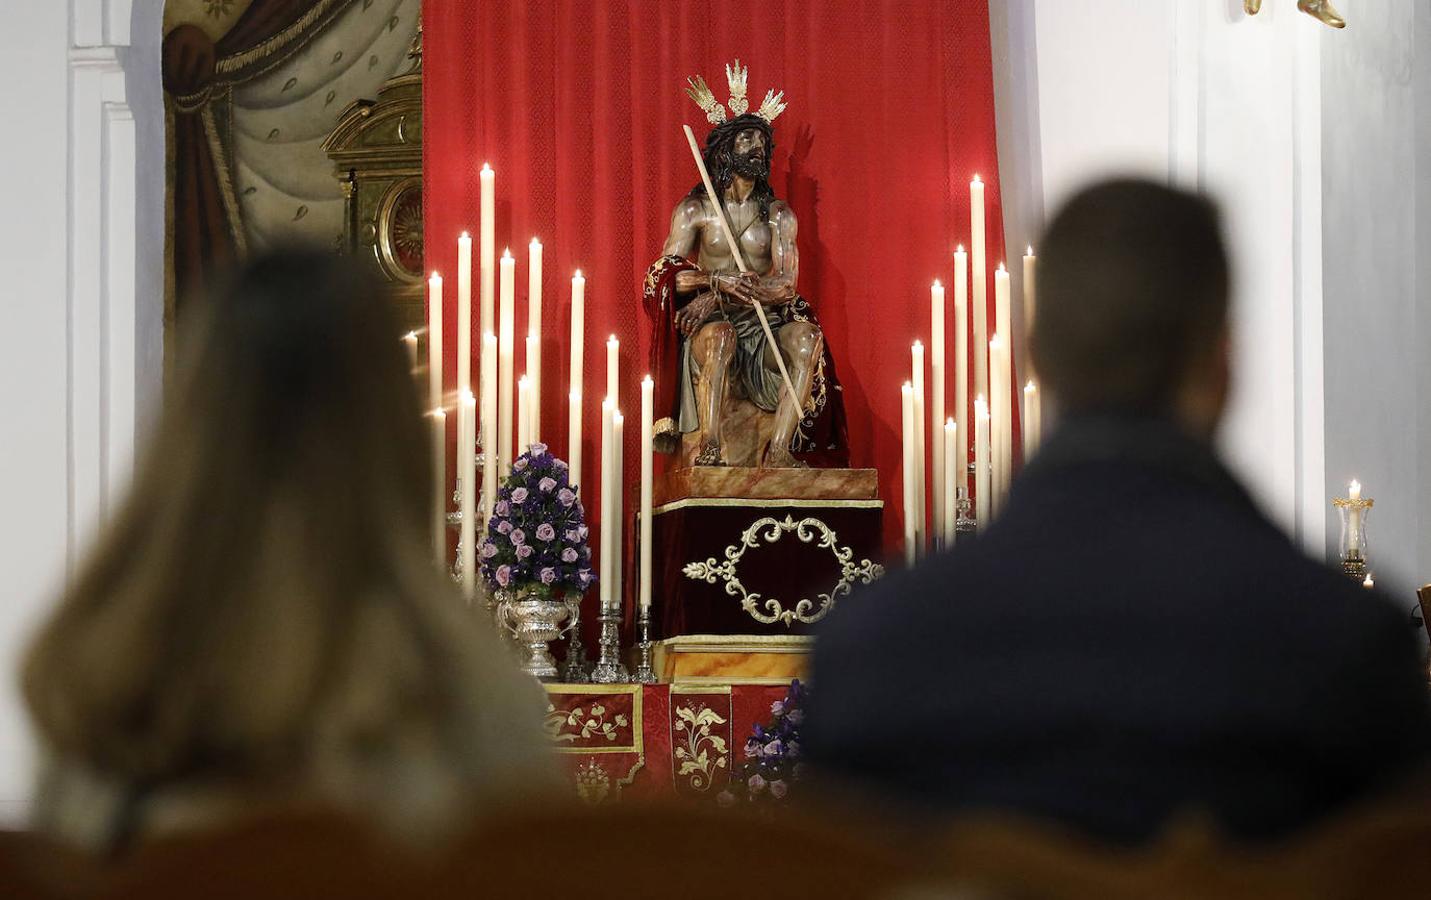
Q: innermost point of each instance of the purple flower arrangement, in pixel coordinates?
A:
(774, 761)
(536, 536)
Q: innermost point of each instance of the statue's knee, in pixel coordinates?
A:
(801, 338)
(722, 338)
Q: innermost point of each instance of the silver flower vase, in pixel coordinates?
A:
(534, 618)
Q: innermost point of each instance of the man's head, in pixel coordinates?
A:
(1133, 305)
(741, 146)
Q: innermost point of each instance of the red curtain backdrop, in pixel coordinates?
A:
(578, 106)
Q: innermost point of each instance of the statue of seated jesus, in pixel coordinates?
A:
(711, 350)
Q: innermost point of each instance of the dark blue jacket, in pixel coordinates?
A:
(1130, 641)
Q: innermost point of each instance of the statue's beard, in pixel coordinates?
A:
(746, 165)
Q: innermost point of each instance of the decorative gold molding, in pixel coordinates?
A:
(738, 643)
(769, 610)
(765, 504)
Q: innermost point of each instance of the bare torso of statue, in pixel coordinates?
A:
(728, 347)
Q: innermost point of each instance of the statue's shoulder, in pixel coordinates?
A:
(691, 207)
(780, 211)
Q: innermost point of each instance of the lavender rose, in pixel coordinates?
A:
(524, 551)
(545, 532)
(538, 449)
(504, 575)
(569, 555)
(548, 575)
(756, 783)
(519, 495)
(778, 789)
(547, 485)
(519, 537)
(777, 708)
(504, 527)
(489, 550)
(519, 465)
(566, 496)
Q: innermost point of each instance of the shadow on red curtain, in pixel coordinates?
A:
(579, 106)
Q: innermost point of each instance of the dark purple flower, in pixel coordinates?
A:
(545, 532)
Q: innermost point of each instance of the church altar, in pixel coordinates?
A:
(640, 742)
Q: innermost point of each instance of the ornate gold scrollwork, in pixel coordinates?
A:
(703, 753)
(770, 530)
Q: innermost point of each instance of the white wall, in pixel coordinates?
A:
(81, 247)
(1377, 243)
(1195, 93)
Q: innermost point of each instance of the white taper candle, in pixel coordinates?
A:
(648, 474)
(439, 485)
(506, 337)
(911, 531)
(982, 455)
(961, 363)
(534, 338)
(464, 313)
(434, 342)
(980, 295)
(578, 361)
(936, 403)
(949, 498)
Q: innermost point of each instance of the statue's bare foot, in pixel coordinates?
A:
(710, 455)
(782, 459)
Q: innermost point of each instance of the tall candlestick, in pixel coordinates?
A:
(921, 506)
(648, 474)
(981, 287)
(434, 341)
(1003, 324)
(607, 527)
(982, 455)
(998, 425)
(488, 248)
(911, 531)
(1030, 308)
(439, 485)
(534, 337)
(578, 348)
(466, 435)
(490, 463)
(524, 414)
(1033, 420)
(618, 506)
(936, 376)
(505, 338)
(613, 352)
(949, 498)
(464, 313)
(961, 361)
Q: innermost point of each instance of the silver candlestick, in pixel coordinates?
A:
(574, 669)
(608, 668)
(644, 673)
(964, 523)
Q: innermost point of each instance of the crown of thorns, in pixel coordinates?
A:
(735, 76)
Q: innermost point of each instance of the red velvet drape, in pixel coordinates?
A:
(578, 107)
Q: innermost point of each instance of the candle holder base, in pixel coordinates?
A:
(608, 668)
(965, 523)
(644, 673)
(1354, 567)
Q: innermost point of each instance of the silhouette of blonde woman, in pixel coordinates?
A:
(263, 627)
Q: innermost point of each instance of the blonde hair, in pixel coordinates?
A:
(265, 606)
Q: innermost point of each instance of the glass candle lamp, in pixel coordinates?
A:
(1353, 510)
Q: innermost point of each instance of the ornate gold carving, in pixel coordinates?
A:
(702, 753)
(399, 231)
(770, 530)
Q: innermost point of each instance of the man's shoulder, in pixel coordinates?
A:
(691, 207)
(781, 211)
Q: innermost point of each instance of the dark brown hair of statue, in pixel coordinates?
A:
(265, 606)
(1133, 297)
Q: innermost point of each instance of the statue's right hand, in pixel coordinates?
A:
(693, 314)
(737, 285)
